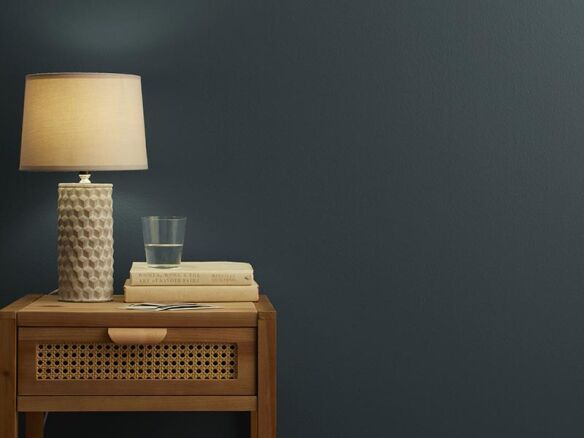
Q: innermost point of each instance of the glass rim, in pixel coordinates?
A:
(164, 218)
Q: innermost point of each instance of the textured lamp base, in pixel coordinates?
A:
(85, 242)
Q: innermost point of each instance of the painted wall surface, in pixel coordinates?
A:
(406, 177)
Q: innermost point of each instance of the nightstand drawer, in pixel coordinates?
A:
(153, 361)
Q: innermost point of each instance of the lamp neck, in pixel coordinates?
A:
(84, 177)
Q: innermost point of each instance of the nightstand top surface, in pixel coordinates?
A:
(47, 310)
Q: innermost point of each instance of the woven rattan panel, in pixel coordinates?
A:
(136, 362)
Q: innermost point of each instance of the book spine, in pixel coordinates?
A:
(165, 278)
(195, 294)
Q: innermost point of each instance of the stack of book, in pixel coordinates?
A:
(191, 282)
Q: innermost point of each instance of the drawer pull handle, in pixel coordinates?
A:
(137, 335)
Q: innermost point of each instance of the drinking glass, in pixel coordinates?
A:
(163, 240)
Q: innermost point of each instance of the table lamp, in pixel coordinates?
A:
(83, 122)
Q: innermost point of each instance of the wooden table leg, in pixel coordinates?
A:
(34, 424)
(8, 413)
(253, 423)
(266, 413)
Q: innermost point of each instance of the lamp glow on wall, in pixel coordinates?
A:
(83, 122)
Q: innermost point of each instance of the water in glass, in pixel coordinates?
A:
(163, 255)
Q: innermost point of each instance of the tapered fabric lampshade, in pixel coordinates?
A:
(83, 122)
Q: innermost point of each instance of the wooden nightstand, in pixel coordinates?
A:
(90, 357)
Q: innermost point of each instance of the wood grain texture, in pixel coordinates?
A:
(10, 311)
(34, 426)
(265, 308)
(244, 384)
(48, 311)
(266, 414)
(8, 414)
(253, 424)
(135, 403)
(8, 370)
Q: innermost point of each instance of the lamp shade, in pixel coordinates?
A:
(83, 122)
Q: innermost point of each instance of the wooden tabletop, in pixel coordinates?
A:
(48, 311)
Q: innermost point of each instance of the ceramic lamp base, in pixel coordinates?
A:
(85, 242)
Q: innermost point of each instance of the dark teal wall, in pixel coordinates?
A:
(406, 177)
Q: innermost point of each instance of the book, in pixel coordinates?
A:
(193, 273)
(189, 294)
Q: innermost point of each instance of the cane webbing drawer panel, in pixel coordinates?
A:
(106, 361)
(84, 361)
